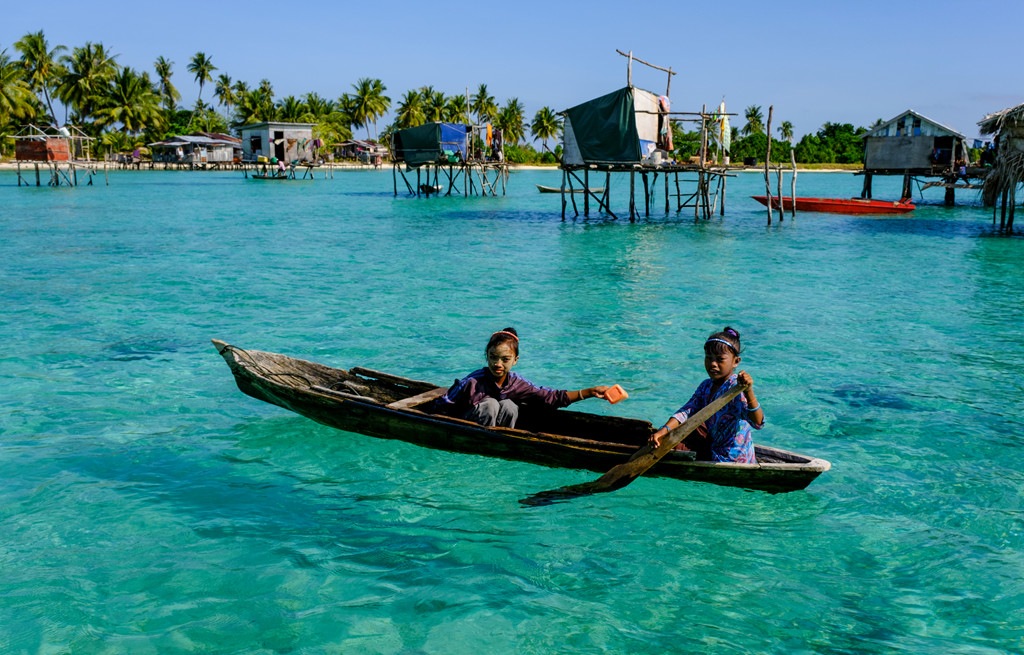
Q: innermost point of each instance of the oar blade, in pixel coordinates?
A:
(560, 495)
(621, 475)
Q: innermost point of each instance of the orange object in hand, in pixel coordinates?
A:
(615, 393)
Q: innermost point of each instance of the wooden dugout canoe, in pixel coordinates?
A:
(391, 407)
(556, 189)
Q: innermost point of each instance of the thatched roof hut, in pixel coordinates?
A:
(1007, 127)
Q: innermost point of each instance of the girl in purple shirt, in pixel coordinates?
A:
(490, 396)
(726, 436)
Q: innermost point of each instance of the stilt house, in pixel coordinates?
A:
(914, 146)
(446, 152)
(50, 144)
(911, 143)
(285, 141)
(197, 148)
(431, 143)
(623, 127)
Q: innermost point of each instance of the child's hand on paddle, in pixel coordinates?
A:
(744, 378)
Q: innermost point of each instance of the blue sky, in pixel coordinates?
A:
(815, 61)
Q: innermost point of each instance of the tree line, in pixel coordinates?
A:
(125, 108)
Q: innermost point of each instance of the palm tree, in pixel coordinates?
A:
(88, 72)
(41, 66)
(318, 106)
(16, 98)
(202, 67)
(290, 109)
(434, 103)
(224, 92)
(786, 131)
(546, 124)
(132, 102)
(255, 106)
(168, 92)
(483, 105)
(209, 120)
(755, 121)
(369, 103)
(511, 121)
(410, 110)
(456, 110)
(333, 128)
(347, 107)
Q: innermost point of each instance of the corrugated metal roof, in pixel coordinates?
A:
(911, 112)
(195, 140)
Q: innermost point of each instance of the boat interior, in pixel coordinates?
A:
(404, 394)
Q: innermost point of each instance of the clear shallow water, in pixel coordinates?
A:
(148, 506)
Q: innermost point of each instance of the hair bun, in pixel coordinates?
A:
(731, 332)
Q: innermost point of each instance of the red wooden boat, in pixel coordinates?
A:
(842, 205)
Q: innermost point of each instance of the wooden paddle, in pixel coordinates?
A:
(643, 459)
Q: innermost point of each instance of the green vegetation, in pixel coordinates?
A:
(125, 108)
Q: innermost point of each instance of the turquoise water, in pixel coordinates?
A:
(148, 506)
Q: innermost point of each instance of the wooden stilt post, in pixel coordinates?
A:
(778, 187)
(696, 198)
(1013, 207)
(767, 157)
(572, 197)
(723, 195)
(679, 195)
(607, 191)
(702, 184)
(632, 193)
(1002, 214)
(792, 187)
(394, 177)
(563, 194)
(647, 195)
(866, 191)
(37, 175)
(586, 189)
(666, 187)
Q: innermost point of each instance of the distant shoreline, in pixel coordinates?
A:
(13, 166)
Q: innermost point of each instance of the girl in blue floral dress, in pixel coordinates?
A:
(725, 437)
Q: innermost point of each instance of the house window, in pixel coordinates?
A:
(900, 127)
(917, 127)
(256, 145)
